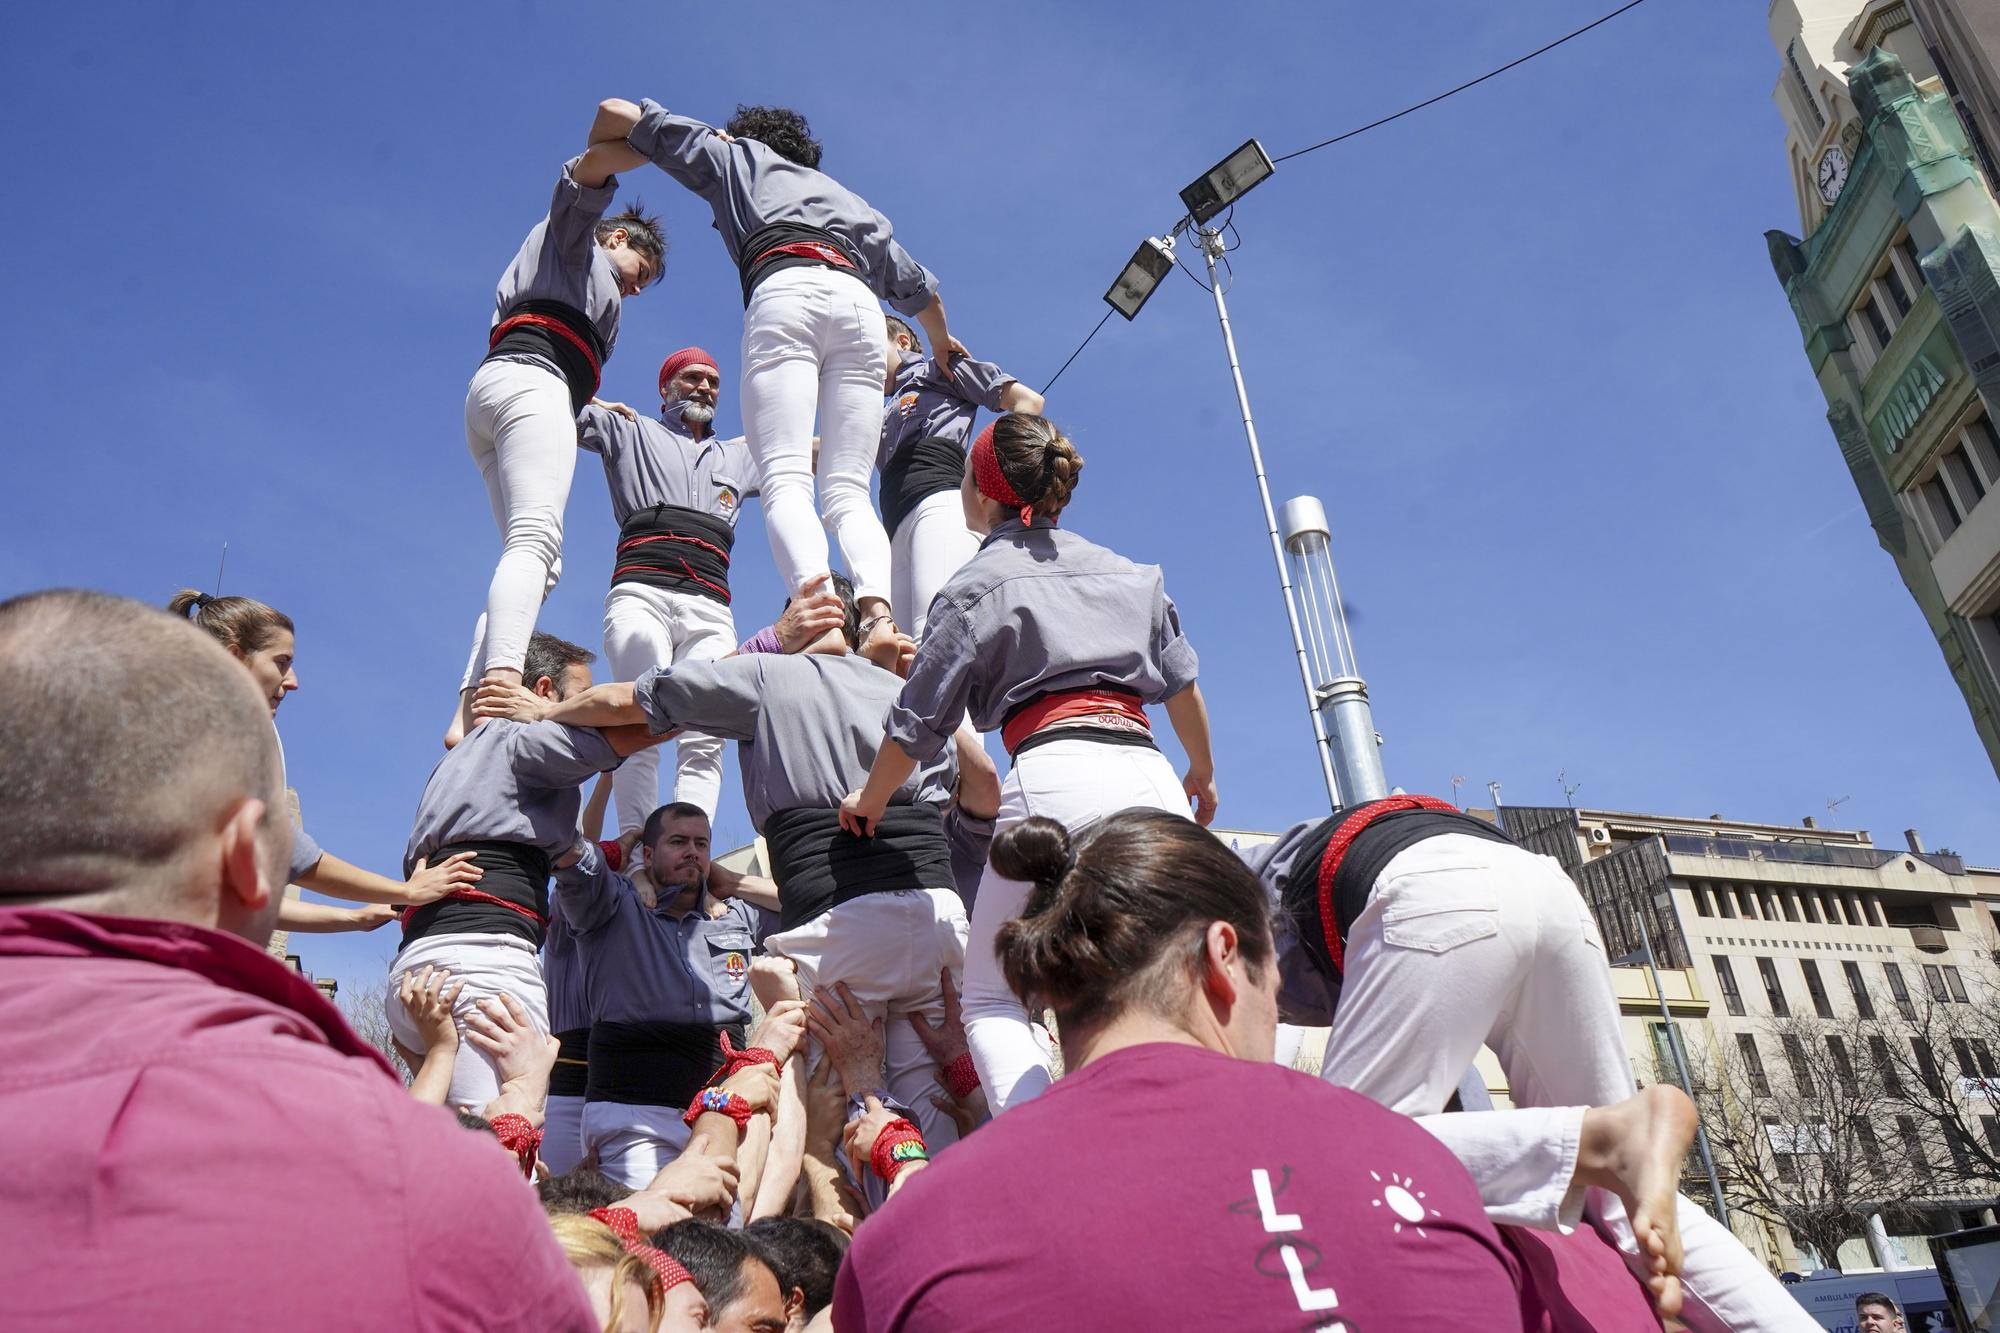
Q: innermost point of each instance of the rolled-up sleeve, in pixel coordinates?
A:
(925, 714)
(555, 755)
(686, 149)
(720, 698)
(305, 853)
(980, 382)
(1174, 654)
(892, 274)
(575, 212)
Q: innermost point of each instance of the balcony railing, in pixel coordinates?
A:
(1805, 853)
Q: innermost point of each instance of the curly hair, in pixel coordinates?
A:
(780, 129)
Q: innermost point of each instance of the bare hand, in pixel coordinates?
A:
(500, 698)
(826, 1110)
(501, 1028)
(619, 408)
(858, 816)
(374, 916)
(853, 1044)
(696, 1180)
(946, 1042)
(1200, 788)
(809, 615)
(963, 1114)
(756, 1084)
(428, 996)
(952, 348)
(783, 1028)
(432, 882)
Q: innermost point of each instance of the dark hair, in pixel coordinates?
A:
(1877, 1298)
(715, 1257)
(127, 733)
(472, 1120)
(643, 232)
(901, 328)
(1122, 921)
(1038, 461)
(850, 627)
(649, 833)
(579, 1191)
(779, 128)
(805, 1253)
(551, 657)
(242, 623)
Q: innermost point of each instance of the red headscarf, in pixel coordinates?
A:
(681, 360)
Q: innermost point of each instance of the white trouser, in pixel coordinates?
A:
(1468, 942)
(646, 627)
(812, 340)
(490, 966)
(1076, 783)
(522, 433)
(562, 1133)
(930, 544)
(633, 1142)
(889, 949)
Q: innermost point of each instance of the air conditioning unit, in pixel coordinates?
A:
(1600, 837)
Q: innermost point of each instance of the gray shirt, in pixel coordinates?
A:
(1038, 609)
(1304, 997)
(562, 261)
(970, 838)
(660, 462)
(807, 725)
(748, 186)
(925, 404)
(563, 974)
(655, 967)
(509, 782)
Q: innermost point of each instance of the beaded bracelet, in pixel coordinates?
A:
(715, 1100)
(961, 1077)
(899, 1144)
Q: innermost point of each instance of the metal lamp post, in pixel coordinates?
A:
(1347, 722)
(1680, 1064)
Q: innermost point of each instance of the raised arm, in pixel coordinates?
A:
(686, 149)
(612, 704)
(587, 888)
(1188, 712)
(753, 889)
(305, 918)
(1018, 397)
(338, 879)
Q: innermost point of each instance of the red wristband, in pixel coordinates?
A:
(734, 1059)
(613, 854)
(961, 1077)
(520, 1138)
(899, 1144)
(714, 1101)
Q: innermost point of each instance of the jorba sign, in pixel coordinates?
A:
(1905, 402)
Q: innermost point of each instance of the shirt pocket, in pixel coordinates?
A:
(1441, 908)
(725, 497)
(729, 961)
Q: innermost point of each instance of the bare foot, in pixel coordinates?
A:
(1635, 1149)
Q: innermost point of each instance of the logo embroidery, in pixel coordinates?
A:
(907, 404)
(726, 500)
(736, 966)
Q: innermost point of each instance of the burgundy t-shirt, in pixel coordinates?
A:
(1167, 1186)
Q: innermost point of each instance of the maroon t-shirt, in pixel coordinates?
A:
(1168, 1186)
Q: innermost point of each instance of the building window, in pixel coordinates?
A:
(1776, 1133)
(1991, 1124)
(1795, 1056)
(1725, 902)
(1967, 469)
(1864, 1133)
(1732, 998)
(1927, 1066)
(1858, 988)
(1934, 979)
(1785, 902)
(1773, 992)
(1956, 984)
(1701, 903)
(1913, 1144)
(1906, 258)
(1753, 1064)
(1898, 990)
(1816, 988)
(1843, 1067)
(1961, 1050)
(1982, 1057)
(1885, 1064)
(1874, 911)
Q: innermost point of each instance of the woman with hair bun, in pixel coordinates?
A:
(1059, 645)
(1243, 1194)
(263, 639)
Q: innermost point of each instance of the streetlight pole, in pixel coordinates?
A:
(1681, 1071)
(1211, 247)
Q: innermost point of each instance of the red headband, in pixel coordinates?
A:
(681, 360)
(992, 482)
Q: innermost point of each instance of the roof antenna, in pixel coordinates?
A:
(220, 565)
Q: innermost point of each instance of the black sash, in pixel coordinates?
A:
(572, 1071)
(818, 865)
(580, 368)
(517, 876)
(654, 1064)
(673, 546)
(916, 473)
(758, 258)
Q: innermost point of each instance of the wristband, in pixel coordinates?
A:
(613, 854)
(717, 1102)
(734, 1059)
(519, 1137)
(899, 1144)
(961, 1077)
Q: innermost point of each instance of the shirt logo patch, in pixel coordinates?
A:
(907, 404)
(735, 966)
(726, 500)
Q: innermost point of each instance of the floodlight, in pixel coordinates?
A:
(1152, 261)
(1227, 181)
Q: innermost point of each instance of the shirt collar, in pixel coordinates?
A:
(1009, 526)
(673, 417)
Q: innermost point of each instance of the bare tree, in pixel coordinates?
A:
(362, 1005)
(1944, 1052)
(1804, 1135)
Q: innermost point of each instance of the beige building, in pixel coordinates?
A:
(1963, 37)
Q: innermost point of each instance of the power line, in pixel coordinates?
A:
(1078, 352)
(1470, 83)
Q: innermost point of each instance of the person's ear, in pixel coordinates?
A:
(243, 879)
(795, 1304)
(1221, 951)
(544, 687)
(618, 237)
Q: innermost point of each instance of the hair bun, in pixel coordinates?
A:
(1035, 851)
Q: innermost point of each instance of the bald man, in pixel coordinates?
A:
(676, 492)
(172, 1093)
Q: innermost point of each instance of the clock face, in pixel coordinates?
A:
(1832, 174)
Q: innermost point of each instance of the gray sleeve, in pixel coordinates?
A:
(1178, 664)
(574, 214)
(597, 431)
(555, 755)
(980, 382)
(720, 698)
(893, 275)
(305, 852)
(926, 713)
(686, 149)
(587, 892)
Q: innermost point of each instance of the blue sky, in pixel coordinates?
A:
(1525, 345)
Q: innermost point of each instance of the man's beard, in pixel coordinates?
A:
(695, 411)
